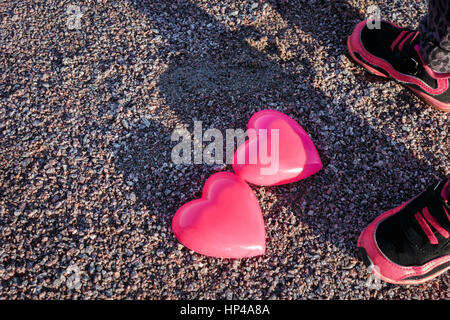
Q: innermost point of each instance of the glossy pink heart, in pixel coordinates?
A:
(226, 222)
(293, 154)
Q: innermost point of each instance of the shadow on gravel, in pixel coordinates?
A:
(228, 75)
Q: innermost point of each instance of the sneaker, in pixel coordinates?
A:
(411, 243)
(394, 52)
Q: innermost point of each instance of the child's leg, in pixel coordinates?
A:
(435, 36)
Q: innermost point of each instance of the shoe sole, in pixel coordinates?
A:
(437, 271)
(426, 98)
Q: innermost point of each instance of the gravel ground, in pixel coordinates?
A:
(87, 186)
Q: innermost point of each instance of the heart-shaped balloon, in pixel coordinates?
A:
(292, 155)
(226, 222)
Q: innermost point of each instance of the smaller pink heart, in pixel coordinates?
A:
(290, 156)
(226, 222)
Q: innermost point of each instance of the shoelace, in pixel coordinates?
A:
(425, 218)
(402, 38)
(404, 41)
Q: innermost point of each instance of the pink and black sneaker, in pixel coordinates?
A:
(394, 52)
(411, 243)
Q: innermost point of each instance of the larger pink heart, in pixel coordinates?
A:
(295, 155)
(226, 222)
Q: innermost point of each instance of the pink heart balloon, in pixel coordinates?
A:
(226, 222)
(296, 159)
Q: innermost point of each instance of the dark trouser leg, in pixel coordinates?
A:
(435, 36)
